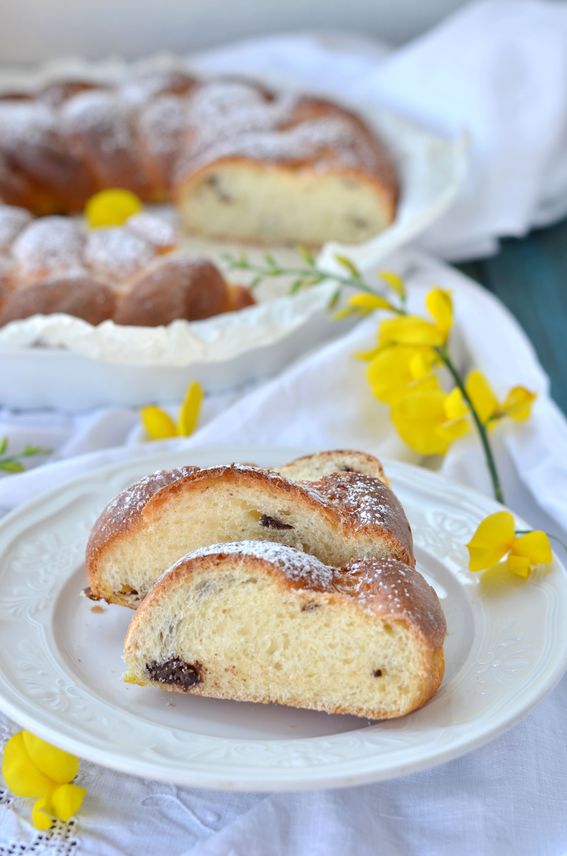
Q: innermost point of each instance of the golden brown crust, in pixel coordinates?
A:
(240, 296)
(384, 588)
(353, 462)
(124, 510)
(92, 136)
(192, 289)
(171, 288)
(315, 134)
(356, 504)
(352, 501)
(79, 296)
(364, 503)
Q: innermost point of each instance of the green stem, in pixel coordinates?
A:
(357, 282)
(481, 429)
(303, 273)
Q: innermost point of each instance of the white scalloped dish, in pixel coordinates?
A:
(60, 656)
(64, 362)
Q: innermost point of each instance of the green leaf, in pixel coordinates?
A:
(11, 466)
(27, 451)
(270, 260)
(256, 281)
(307, 255)
(3, 445)
(335, 297)
(349, 265)
(296, 286)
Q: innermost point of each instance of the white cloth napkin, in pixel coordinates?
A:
(497, 69)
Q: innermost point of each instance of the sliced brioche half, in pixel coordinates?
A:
(340, 516)
(312, 467)
(263, 622)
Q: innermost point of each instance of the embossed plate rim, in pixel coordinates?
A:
(317, 762)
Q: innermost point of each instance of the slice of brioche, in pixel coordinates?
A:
(262, 622)
(312, 467)
(339, 517)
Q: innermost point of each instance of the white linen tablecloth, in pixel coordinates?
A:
(499, 69)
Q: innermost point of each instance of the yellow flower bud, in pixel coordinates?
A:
(394, 282)
(190, 410)
(111, 207)
(439, 304)
(158, 424)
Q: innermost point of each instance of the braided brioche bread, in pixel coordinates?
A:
(339, 510)
(262, 622)
(127, 273)
(241, 162)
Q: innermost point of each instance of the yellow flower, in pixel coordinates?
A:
(111, 207)
(33, 768)
(159, 424)
(409, 330)
(190, 410)
(363, 303)
(491, 541)
(393, 371)
(517, 404)
(439, 304)
(429, 420)
(496, 539)
(417, 331)
(394, 282)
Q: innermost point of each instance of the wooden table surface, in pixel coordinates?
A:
(529, 275)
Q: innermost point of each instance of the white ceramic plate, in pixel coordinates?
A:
(60, 655)
(63, 362)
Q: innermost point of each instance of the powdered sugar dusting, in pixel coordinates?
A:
(364, 501)
(117, 253)
(297, 566)
(160, 125)
(127, 505)
(12, 221)
(48, 246)
(102, 114)
(148, 131)
(383, 587)
(330, 141)
(140, 89)
(387, 587)
(160, 233)
(27, 123)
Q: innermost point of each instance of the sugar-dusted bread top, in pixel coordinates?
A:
(264, 622)
(127, 506)
(148, 133)
(383, 587)
(339, 516)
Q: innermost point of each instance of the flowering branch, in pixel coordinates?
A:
(303, 277)
(14, 463)
(401, 373)
(312, 275)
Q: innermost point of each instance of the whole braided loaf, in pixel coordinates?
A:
(129, 273)
(240, 161)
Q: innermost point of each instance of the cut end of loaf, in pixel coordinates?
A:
(243, 200)
(236, 626)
